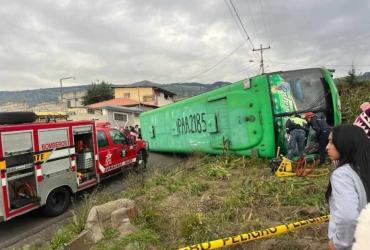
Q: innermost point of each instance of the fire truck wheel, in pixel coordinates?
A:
(141, 161)
(57, 202)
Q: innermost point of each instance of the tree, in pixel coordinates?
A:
(351, 78)
(98, 92)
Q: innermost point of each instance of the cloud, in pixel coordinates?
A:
(170, 41)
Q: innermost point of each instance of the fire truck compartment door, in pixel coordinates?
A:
(82, 130)
(15, 143)
(57, 142)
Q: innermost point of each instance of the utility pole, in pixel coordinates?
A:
(138, 96)
(61, 85)
(262, 49)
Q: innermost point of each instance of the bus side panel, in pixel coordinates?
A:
(217, 110)
(234, 117)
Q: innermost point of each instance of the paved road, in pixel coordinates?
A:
(34, 227)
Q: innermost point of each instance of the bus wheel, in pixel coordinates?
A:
(57, 202)
(141, 161)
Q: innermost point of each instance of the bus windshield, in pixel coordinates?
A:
(298, 91)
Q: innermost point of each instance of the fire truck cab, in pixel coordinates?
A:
(42, 164)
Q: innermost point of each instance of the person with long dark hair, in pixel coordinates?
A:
(349, 187)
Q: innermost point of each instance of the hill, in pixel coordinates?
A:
(183, 89)
(34, 97)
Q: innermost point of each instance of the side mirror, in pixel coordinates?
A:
(123, 153)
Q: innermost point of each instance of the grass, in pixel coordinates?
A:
(351, 99)
(213, 197)
(205, 198)
(76, 224)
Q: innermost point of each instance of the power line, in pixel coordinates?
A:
(266, 23)
(216, 64)
(235, 20)
(251, 16)
(242, 25)
(237, 24)
(248, 37)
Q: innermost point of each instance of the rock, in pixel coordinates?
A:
(126, 228)
(118, 216)
(82, 241)
(110, 215)
(93, 225)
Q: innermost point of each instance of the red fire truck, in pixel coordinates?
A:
(42, 164)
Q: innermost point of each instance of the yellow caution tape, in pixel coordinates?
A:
(2, 165)
(269, 232)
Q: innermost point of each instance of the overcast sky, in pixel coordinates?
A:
(175, 40)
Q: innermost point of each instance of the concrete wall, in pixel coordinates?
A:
(163, 99)
(74, 99)
(134, 93)
(131, 119)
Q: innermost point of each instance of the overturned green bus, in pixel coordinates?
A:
(246, 117)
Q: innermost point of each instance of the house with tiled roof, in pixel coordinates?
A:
(146, 94)
(120, 112)
(123, 102)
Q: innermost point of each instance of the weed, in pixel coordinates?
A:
(221, 196)
(143, 239)
(217, 172)
(63, 237)
(78, 221)
(194, 227)
(110, 233)
(196, 187)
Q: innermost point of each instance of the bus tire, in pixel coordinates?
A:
(57, 202)
(17, 117)
(141, 161)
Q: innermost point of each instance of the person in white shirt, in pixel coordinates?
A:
(349, 187)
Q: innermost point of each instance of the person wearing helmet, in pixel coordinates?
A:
(322, 129)
(296, 129)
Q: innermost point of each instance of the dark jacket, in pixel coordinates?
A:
(319, 125)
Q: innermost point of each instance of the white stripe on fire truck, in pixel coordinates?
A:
(109, 168)
(39, 172)
(96, 157)
(73, 163)
(59, 153)
(102, 169)
(3, 182)
(72, 151)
